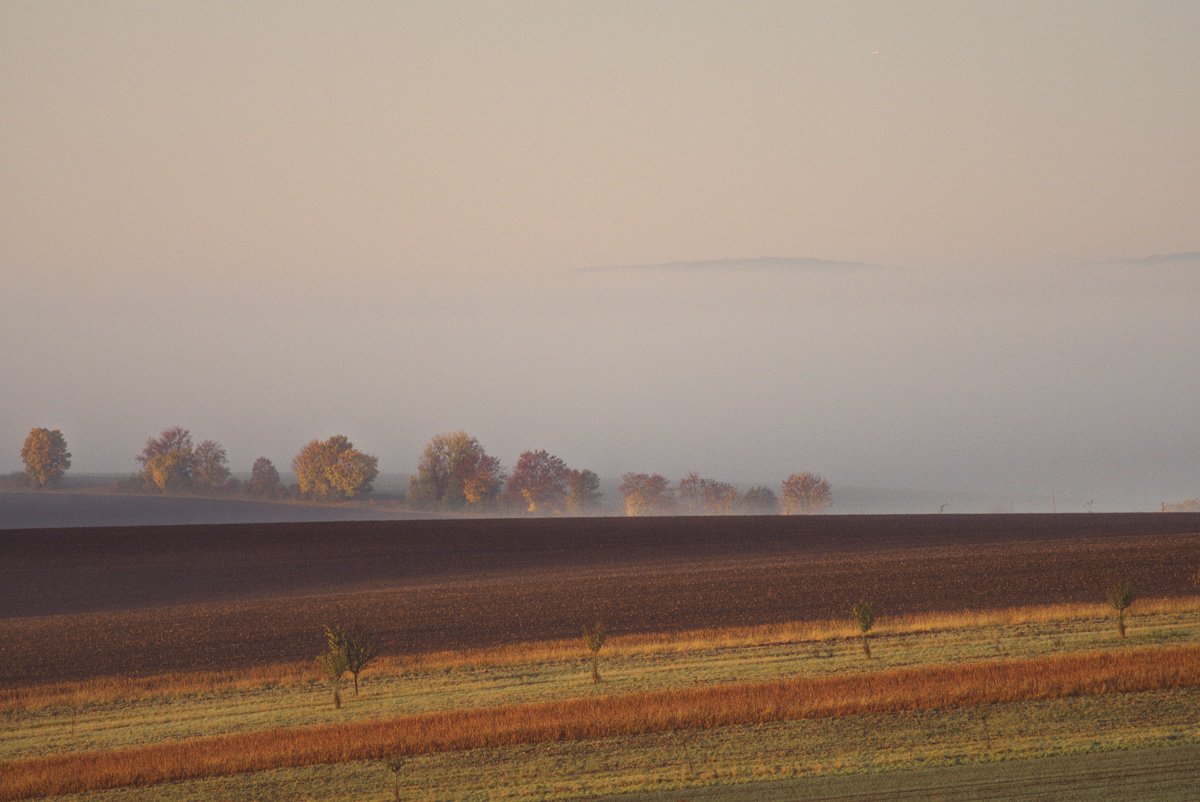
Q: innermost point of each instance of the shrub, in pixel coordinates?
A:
(1120, 596)
(863, 613)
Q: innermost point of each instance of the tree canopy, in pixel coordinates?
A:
(697, 495)
(210, 468)
(646, 494)
(538, 482)
(454, 472)
(805, 493)
(264, 479)
(167, 460)
(45, 456)
(583, 492)
(334, 469)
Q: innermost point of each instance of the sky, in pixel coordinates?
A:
(545, 223)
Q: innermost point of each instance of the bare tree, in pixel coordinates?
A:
(863, 613)
(1120, 596)
(359, 655)
(593, 639)
(395, 765)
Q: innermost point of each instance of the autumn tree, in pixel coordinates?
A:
(718, 498)
(645, 494)
(688, 493)
(455, 471)
(334, 469)
(167, 460)
(583, 491)
(696, 495)
(45, 456)
(210, 468)
(538, 482)
(805, 493)
(760, 500)
(264, 479)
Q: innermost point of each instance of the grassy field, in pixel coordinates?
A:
(69, 722)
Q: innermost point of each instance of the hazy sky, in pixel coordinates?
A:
(272, 222)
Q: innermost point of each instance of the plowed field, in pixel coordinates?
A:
(88, 602)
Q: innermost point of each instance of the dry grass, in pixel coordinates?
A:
(927, 687)
(103, 690)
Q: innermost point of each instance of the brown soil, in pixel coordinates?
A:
(92, 602)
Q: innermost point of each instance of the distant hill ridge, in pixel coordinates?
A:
(751, 263)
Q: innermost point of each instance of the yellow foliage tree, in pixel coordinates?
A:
(805, 493)
(45, 456)
(334, 469)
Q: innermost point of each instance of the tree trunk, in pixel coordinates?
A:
(1121, 622)
(337, 699)
(866, 646)
(595, 669)
(356, 683)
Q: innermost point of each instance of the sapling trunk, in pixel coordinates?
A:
(595, 669)
(337, 699)
(866, 646)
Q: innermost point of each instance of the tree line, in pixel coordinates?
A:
(454, 473)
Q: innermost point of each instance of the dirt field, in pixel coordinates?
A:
(95, 506)
(88, 602)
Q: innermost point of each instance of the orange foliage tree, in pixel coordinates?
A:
(334, 469)
(805, 493)
(45, 456)
(538, 482)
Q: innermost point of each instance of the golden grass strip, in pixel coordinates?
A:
(103, 690)
(927, 687)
